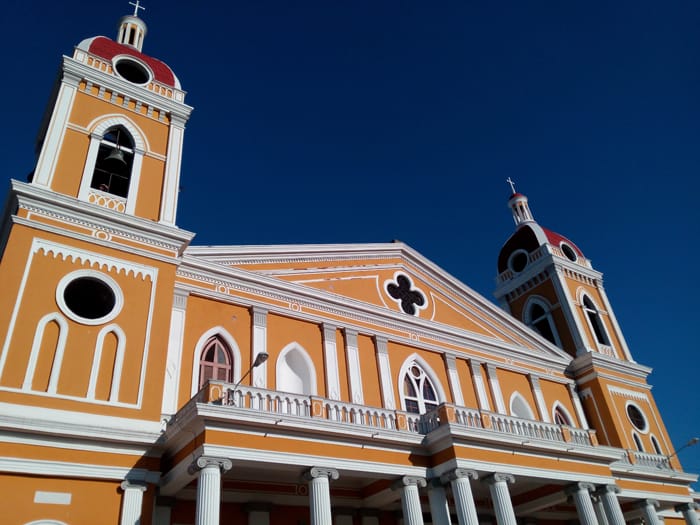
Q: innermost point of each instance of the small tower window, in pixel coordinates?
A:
(418, 391)
(215, 362)
(539, 317)
(637, 442)
(655, 444)
(595, 320)
(115, 159)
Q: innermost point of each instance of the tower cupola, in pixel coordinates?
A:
(132, 30)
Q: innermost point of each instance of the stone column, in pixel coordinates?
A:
(649, 507)
(599, 510)
(689, 513)
(209, 488)
(613, 512)
(320, 494)
(439, 510)
(410, 499)
(502, 505)
(462, 493)
(581, 494)
(132, 502)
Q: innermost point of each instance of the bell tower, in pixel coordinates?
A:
(113, 132)
(545, 280)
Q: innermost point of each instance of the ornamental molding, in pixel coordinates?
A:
(498, 477)
(630, 394)
(321, 472)
(408, 481)
(203, 462)
(64, 469)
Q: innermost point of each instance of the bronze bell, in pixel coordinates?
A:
(115, 160)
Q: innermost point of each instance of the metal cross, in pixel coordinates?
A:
(137, 6)
(508, 180)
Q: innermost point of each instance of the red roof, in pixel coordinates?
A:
(556, 239)
(105, 48)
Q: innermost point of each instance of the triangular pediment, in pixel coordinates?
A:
(391, 277)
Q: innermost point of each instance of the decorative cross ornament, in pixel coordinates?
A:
(137, 6)
(508, 180)
(401, 291)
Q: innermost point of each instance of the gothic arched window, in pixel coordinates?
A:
(595, 321)
(539, 317)
(295, 370)
(419, 394)
(215, 362)
(115, 159)
(561, 416)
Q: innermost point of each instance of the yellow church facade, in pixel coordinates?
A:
(144, 380)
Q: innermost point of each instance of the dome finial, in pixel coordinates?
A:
(508, 180)
(519, 206)
(137, 6)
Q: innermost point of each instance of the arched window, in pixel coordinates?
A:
(115, 158)
(215, 362)
(637, 442)
(655, 444)
(295, 371)
(519, 407)
(561, 416)
(419, 394)
(595, 321)
(538, 316)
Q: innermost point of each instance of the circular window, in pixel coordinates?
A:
(636, 417)
(518, 261)
(568, 252)
(89, 297)
(133, 71)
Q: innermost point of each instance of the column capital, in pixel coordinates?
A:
(321, 472)
(134, 485)
(606, 489)
(497, 477)
(685, 507)
(406, 481)
(645, 503)
(459, 473)
(203, 462)
(576, 487)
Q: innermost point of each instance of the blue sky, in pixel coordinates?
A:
(367, 121)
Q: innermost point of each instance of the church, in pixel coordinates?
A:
(146, 380)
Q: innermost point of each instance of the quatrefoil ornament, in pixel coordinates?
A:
(402, 291)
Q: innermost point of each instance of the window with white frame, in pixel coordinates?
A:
(215, 362)
(595, 321)
(419, 394)
(519, 407)
(115, 158)
(561, 416)
(538, 316)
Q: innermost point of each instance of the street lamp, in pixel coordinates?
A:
(259, 359)
(693, 441)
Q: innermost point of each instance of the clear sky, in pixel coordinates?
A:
(367, 121)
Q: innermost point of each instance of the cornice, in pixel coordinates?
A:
(594, 362)
(73, 211)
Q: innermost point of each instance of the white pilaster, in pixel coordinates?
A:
(209, 488)
(576, 400)
(613, 512)
(495, 385)
(320, 494)
(330, 355)
(502, 505)
(539, 398)
(385, 373)
(648, 507)
(618, 333)
(439, 510)
(689, 511)
(453, 376)
(352, 356)
(479, 386)
(171, 181)
(259, 315)
(462, 494)
(174, 357)
(570, 311)
(132, 502)
(581, 494)
(410, 499)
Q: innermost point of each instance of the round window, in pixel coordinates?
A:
(132, 71)
(636, 417)
(518, 261)
(568, 252)
(89, 297)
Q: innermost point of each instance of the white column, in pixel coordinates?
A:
(320, 494)
(330, 355)
(502, 505)
(209, 488)
(492, 374)
(479, 386)
(171, 180)
(410, 499)
(132, 501)
(174, 357)
(599, 511)
(576, 400)
(453, 376)
(352, 357)
(539, 398)
(439, 510)
(581, 494)
(462, 494)
(385, 373)
(613, 512)
(689, 513)
(259, 315)
(649, 507)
